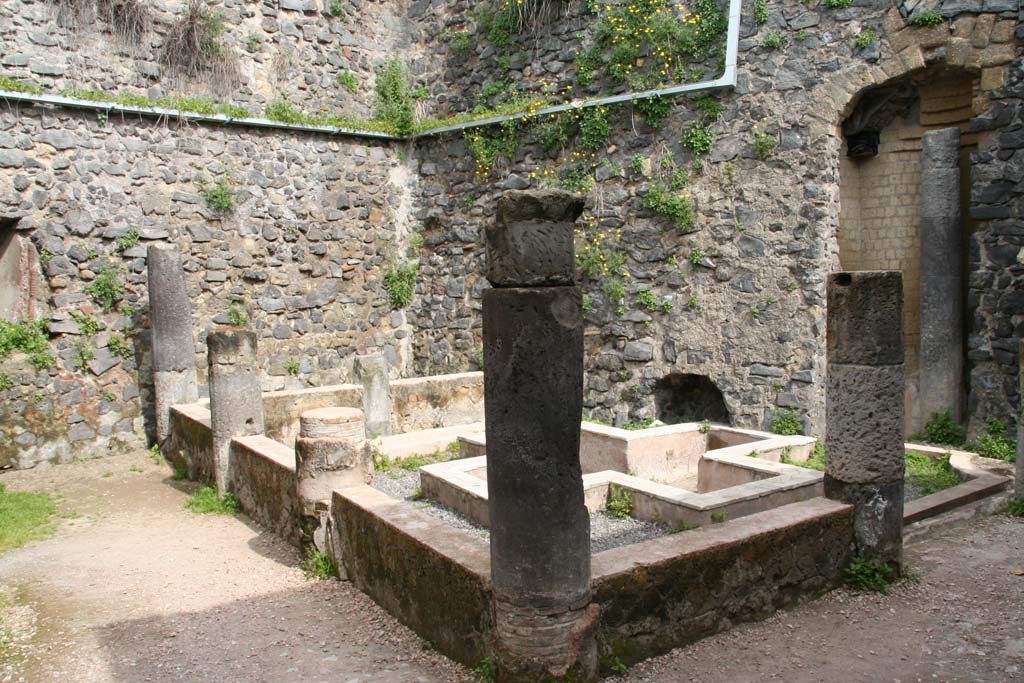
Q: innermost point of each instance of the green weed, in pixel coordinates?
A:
(787, 422)
(620, 502)
(870, 576)
(24, 517)
(207, 501)
(400, 283)
(930, 474)
(319, 565)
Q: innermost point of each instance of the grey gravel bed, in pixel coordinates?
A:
(606, 532)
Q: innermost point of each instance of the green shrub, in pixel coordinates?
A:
(1015, 508)
(319, 565)
(486, 670)
(394, 97)
(347, 80)
(614, 289)
(107, 289)
(838, 4)
(787, 422)
(774, 40)
(620, 503)
(866, 37)
(594, 128)
(645, 299)
(206, 501)
(400, 283)
(699, 138)
(676, 207)
(654, 109)
(869, 575)
(930, 474)
(5, 381)
(645, 423)
(219, 196)
(995, 444)
(760, 11)
(337, 10)
(291, 366)
(929, 17)
(764, 143)
(87, 323)
(127, 240)
(696, 256)
(237, 315)
(942, 429)
(30, 337)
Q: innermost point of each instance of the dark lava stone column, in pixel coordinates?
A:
(174, 350)
(864, 407)
(236, 402)
(942, 286)
(533, 385)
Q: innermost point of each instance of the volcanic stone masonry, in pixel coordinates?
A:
(864, 407)
(533, 388)
(170, 311)
(236, 404)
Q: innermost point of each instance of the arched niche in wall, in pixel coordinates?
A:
(682, 397)
(882, 207)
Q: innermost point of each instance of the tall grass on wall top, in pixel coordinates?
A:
(193, 48)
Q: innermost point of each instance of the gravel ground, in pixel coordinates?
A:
(136, 589)
(606, 531)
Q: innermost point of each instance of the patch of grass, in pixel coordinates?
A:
(815, 461)
(24, 517)
(206, 501)
(679, 527)
(87, 323)
(237, 316)
(1015, 508)
(719, 517)
(13, 85)
(127, 240)
(319, 565)
(347, 80)
(930, 474)
(866, 37)
(774, 40)
(219, 196)
(787, 422)
(620, 502)
(870, 576)
(645, 423)
(5, 381)
(838, 4)
(291, 366)
(705, 426)
(699, 138)
(129, 19)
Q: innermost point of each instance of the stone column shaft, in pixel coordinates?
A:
(174, 360)
(941, 363)
(236, 401)
(372, 372)
(533, 386)
(330, 453)
(864, 407)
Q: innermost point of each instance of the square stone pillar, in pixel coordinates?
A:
(864, 407)
(533, 387)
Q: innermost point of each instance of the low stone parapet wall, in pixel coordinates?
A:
(264, 481)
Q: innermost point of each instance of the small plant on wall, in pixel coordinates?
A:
(400, 283)
(764, 142)
(193, 47)
(219, 196)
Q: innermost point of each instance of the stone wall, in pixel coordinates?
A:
(747, 312)
(317, 218)
(290, 50)
(299, 259)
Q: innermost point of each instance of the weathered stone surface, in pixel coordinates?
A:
(532, 412)
(1018, 487)
(173, 347)
(877, 516)
(236, 406)
(864, 423)
(940, 380)
(372, 372)
(531, 242)
(865, 318)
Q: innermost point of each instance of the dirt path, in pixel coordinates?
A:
(138, 589)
